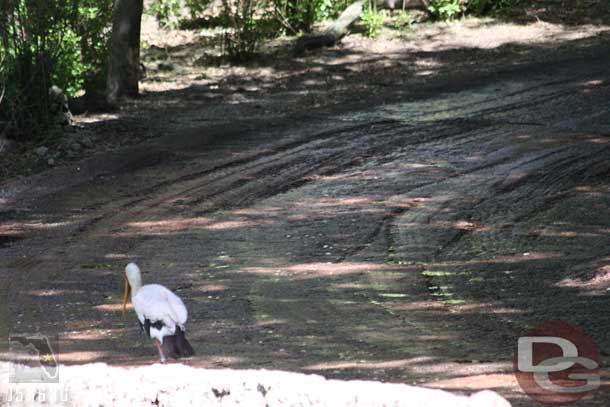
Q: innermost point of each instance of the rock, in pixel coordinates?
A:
(59, 105)
(51, 162)
(42, 151)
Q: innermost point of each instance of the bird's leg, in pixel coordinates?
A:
(158, 345)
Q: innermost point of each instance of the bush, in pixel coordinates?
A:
(93, 28)
(446, 9)
(166, 11)
(45, 43)
(298, 16)
(404, 21)
(282, 16)
(372, 19)
(450, 9)
(246, 28)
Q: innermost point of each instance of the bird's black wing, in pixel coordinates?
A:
(147, 324)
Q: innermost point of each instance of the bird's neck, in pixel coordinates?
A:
(136, 284)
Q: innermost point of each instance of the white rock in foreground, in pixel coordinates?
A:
(181, 386)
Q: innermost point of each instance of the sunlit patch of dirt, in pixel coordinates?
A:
(363, 364)
(116, 256)
(211, 288)
(14, 228)
(336, 202)
(416, 305)
(81, 357)
(505, 381)
(51, 292)
(84, 335)
(517, 258)
(166, 226)
(271, 322)
(110, 307)
(488, 34)
(600, 281)
(314, 270)
(467, 367)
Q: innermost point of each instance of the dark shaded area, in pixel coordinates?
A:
(6, 240)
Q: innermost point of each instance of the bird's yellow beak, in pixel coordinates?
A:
(126, 296)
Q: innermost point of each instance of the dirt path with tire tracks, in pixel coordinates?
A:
(410, 241)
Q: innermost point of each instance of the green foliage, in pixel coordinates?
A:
(446, 9)
(246, 29)
(167, 11)
(301, 15)
(282, 16)
(404, 21)
(45, 43)
(479, 7)
(326, 9)
(68, 71)
(483, 7)
(297, 15)
(450, 9)
(93, 27)
(372, 19)
(196, 7)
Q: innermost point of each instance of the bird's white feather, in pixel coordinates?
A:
(157, 303)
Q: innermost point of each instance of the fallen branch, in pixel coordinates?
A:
(340, 27)
(337, 30)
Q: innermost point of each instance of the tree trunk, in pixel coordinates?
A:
(124, 60)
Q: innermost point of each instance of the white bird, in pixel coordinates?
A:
(161, 314)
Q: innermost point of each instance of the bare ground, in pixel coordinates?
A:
(400, 213)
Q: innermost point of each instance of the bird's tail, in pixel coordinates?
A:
(177, 346)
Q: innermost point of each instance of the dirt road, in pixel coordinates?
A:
(409, 240)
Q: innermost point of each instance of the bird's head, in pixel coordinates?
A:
(133, 281)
